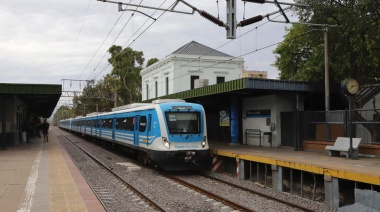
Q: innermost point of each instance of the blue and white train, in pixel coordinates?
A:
(169, 133)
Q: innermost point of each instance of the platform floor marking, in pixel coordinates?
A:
(31, 185)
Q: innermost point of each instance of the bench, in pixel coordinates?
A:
(342, 144)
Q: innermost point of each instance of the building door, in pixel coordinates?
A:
(192, 79)
(287, 135)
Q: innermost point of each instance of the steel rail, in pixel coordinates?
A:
(207, 193)
(258, 193)
(145, 198)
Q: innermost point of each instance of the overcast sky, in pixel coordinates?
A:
(43, 42)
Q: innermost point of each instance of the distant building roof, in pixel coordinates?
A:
(195, 48)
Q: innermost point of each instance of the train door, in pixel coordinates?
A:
(113, 128)
(100, 127)
(91, 127)
(148, 128)
(136, 131)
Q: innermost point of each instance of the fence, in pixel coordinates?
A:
(328, 125)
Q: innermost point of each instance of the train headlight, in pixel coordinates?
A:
(204, 141)
(166, 142)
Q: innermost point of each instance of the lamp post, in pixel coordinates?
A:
(327, 80)
(327, 84)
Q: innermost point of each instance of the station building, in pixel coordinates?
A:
(21, 105)
(240, 109)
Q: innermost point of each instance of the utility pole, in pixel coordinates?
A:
(327, 80)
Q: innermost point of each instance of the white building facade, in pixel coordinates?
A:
(179, 71)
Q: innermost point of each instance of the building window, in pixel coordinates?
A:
(147, 91)
(167, 85)
(192, 79)
(156, 85)
(219, 80)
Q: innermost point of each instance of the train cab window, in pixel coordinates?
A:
(183, 122)
(142, 126)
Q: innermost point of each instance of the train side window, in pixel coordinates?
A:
(124, 123)
(129, 124)
(121, 123)
(117, 125)
(110, 123)
(142, 127)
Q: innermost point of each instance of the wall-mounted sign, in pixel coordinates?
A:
(224, 119)
(258, 113)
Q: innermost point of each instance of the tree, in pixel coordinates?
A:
(127, 65)
(354, 46)
(151, 61)
(99, 96)
(63, 112)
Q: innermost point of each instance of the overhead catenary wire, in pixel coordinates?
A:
(201, 12)
(133, 36)
(256, 50)
(112, 44)
(76, 41)
(198, 58)
(101, 45)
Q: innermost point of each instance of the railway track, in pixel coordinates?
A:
(225, 202)
(259, 193)
(214, 196)
(212, 199)
(105, 195)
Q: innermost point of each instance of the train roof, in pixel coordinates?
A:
(134, 107)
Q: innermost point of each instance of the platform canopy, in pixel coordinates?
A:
(39, 99)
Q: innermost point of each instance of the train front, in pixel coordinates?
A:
(184, 142)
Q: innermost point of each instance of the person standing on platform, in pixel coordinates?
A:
(45, 129)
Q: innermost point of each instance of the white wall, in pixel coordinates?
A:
(276, 104)
(180, 68)
(368, 115)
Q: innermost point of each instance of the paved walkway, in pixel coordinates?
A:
(41, 177)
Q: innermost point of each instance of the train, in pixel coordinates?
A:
(169, 133)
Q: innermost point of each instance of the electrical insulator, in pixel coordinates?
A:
(256, 1)
(231, 19)
(211, 18)
(250, 21)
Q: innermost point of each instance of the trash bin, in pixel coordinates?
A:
(269, 134)
(23, 136)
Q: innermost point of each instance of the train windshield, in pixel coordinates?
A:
(183, 122)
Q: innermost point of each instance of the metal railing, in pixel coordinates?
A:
(252, 133)
(327, 126)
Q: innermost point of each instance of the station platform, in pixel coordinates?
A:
(39, 176)
(364, 169)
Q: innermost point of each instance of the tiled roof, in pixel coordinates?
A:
(195, 48)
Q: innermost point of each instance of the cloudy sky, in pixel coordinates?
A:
(45, 42)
